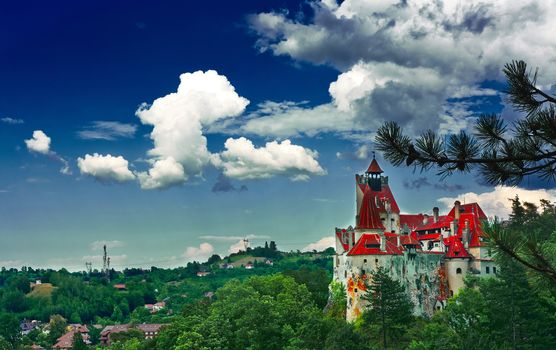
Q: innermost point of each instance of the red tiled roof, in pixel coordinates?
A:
(369, 217)
(469, 208)
(374, 168)
(369, 244)
(411, 220)
(456, 248)
(408, 240)
(428, 236)
(443, 221)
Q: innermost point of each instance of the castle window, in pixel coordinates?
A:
(458, 271)
(487, 269)
(355, 290)
(345, 274)
(376, 261)
(362, 272)
(364, 261)
(451, 293)
(494, 270)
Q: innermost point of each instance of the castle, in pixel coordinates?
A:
(429, 254)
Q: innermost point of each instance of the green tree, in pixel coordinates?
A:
(9, 329)
(390, 309)
(337, 303)
(529, 240)
(57, 326)
(123, 337)
(515, 308)
(4, 344)
(78, 342)
(503, 156)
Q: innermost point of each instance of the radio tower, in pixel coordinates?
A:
(106, 264)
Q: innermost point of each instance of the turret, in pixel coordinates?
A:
(373, 175)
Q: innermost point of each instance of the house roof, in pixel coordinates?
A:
(455, 248)
(369, 217)
(369, 244)
(66, 340)
(469, 208)
(411, 220)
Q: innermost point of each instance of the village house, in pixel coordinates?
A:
(154, 308)
(66, 340)
(149, 330)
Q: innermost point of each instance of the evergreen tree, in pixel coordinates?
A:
(390, 309)
(514, 309)
(504, 155)
(517, 217)
(273, 246)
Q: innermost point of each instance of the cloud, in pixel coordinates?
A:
(223, 184)
(242, 160)
(98, 245)
(237, 247)
(105, 167)
(497, 202)
(232, 238)
(12, 263)
(201, 253)
(163, 174)
(178, 119)
(12, 121)
(291, 119)
(39, 143)
(424, 182)
(107, 130)
(363, 152)
(404, 60)
(321, 244)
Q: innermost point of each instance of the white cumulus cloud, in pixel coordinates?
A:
(164, 173)
(321, 244)
(39, 143)
(178, 119)
(201, 253)
(242, 160)
(105, 167)
(497, 202)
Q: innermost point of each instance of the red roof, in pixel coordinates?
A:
(369, 217)
(456, 248)
(469, 208)
(411, 220)
(369, 244)
(429, 236)
(408, 240)
(374, 168)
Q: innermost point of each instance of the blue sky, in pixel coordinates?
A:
(304, 84)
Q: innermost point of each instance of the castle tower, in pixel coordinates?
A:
(456, 264)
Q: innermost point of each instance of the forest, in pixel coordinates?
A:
(291, 304)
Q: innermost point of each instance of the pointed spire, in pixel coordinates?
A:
(374, 168)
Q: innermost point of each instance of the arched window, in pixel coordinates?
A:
(345, 274)
(458, 271)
